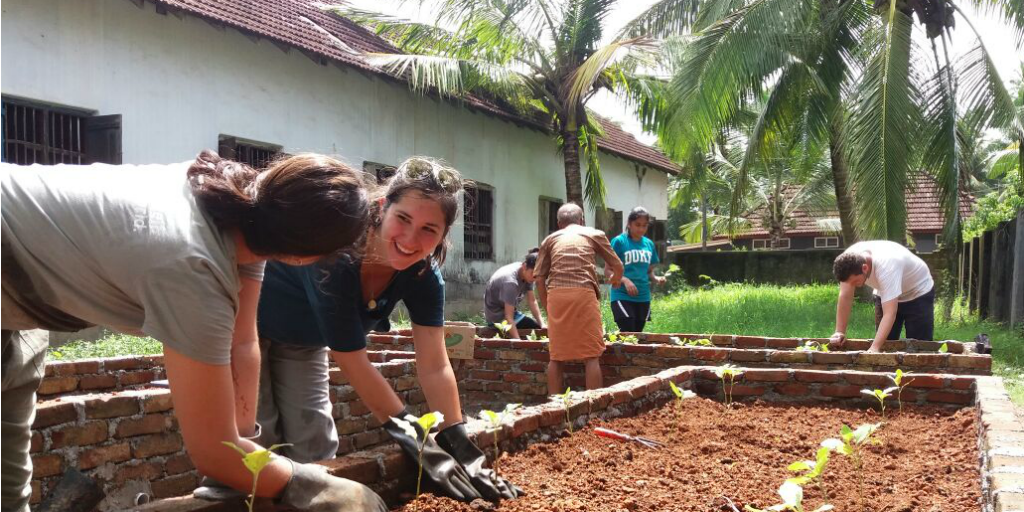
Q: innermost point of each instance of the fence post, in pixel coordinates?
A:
(1017, 288)
(1002, 272)
(984, 273)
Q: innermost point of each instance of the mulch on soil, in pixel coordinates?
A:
(927, 462)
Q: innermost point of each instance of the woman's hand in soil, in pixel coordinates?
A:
(456, 442)
(313, 489)
(630, 287)
(440, 467)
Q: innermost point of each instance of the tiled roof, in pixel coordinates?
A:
(924, 214)
(325, 37)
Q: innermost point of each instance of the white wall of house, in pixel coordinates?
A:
(180, 83)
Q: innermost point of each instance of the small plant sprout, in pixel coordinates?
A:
(566, 402)
(426, 422)
(900, 380)
(533, 336)
(944, 348)
(730, 372)
(880, 395)
(813, 346)
(792, 500)
(849, 443)
(703, 342)
(494, 422)
(813, 469)
(504, 328)
(254, 461)
(617, 337)
(681, 394)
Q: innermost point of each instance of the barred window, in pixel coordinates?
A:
(478, 222)
(36, 133)
(257, 155)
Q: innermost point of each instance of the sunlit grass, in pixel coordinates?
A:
(810, 311)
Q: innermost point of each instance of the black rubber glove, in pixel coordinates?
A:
(313, 489)
(456, 442)
(449, 476)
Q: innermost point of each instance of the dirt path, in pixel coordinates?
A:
(927, 461)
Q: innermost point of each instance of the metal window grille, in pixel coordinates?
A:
(826, 242)
(478, 223)
(256, 157)
(37, 134)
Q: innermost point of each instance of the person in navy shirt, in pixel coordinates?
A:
(631, 300)
(307, 312)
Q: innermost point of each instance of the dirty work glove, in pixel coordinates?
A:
(213, 490)
(313, 489)
(456, 442)
(438, 466)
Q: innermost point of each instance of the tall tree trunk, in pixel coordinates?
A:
(571, 160)
(704, 223)
(841, 182)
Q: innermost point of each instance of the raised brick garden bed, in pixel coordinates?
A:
(623, 360)
(127, 437)
(999, 436)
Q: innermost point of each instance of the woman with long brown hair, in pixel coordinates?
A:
(175, 252)
(304, 311)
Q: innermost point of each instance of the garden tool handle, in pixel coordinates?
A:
(604, 432)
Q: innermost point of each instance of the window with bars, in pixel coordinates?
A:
(478, 222)
(548, 216)
(257, 155)
(36, 133)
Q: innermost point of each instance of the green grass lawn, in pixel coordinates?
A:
(113, 344)
(810, 311)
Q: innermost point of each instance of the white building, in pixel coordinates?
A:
(141, 81)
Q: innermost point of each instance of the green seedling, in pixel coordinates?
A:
(880, 395)
(254, 461)
(730, 372)
(849, 444)
(703, 342)
(504, 328)
(944, 348)
(495, 421)
(813, 469)
(566, 402)
(792, 500)
(813, 346)
(533, 336)
(617, 337)
(426, 422)
(899, 379)
(681, 394)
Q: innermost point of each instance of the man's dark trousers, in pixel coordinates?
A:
(917, 315)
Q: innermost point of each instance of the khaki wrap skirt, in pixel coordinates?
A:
(575, 328)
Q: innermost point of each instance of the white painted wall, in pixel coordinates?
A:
(180, 83)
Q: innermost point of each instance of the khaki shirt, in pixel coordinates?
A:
(566, 258)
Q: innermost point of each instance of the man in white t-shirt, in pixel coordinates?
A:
(903, 288)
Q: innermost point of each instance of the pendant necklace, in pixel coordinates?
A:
(372, 303)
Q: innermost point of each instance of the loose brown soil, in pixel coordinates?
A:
(927, 462)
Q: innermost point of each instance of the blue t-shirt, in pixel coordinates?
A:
(637, 257)
(322, 304)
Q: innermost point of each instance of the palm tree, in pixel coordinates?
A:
(848, 74)
(772, 190)
(542, 58)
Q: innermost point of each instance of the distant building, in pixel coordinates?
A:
(807, 231)
(144, 81)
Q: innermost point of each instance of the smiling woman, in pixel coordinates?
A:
(305, 312)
